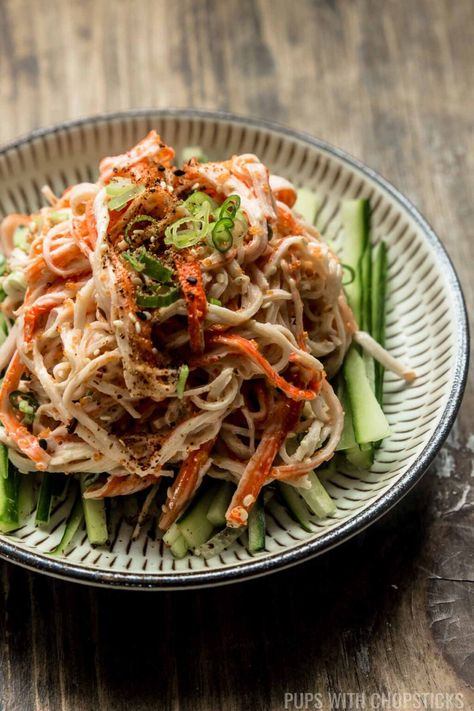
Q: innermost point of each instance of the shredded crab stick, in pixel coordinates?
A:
(32, 315)
(190, 281)
(185, 484)
(242, 345)
(120, 486)
(150, 148)
(257, 470)
(370, 345)
(24, 440)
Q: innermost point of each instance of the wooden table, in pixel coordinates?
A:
(392, 610)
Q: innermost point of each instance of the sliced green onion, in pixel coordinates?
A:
(133, 259)
(182, 378)
(3, 264)
(144, 262)
(25, 403)
(21, 238)
(352, 274)
(215, 302)
(190, 235)
(121, 191)
(155, 298)
(222, 235)
(136, 220)
(197, 199)
(229, 207)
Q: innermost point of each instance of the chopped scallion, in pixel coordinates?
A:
(188, 231)
(182, 378)
(222, 235)
(145, 263)
(136, 221)
(229, 207)
(154, 298)
(121, 191)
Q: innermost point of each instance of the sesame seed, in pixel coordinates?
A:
(248, 500)
(138, 328)
(154, 351)
(195, 186)
(170, 189)
(103, 248)
(117, 323)
(97, 352)
(132, 317)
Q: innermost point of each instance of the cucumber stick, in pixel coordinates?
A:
(73, 524)
(179, 547)
(308, 204)
(9, 490)
(317, 498)
(26, 503)
(369, 421)
(194, 525)
(295, 505)
(50, 484)
(220, 504)
(355, 220)
(218, 543)
(379, 288)
(365, 267)
(347, 440)
(171, 535)
(95, 517)
(256, 527)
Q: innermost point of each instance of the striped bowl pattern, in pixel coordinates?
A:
(426, 327)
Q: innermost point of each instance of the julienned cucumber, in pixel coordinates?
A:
(355, 219)
(72, 526)
(194, 525)
(9, 489)
(26, 503)
(295, 504)
(379, 288)
(218, 543)
(50, 484)
(347, 440)
(317, 498)
(308, 204)
(220, 504)
(95, 517)
(179, 547)
(256, 527)
(370, 424)
(365, 268)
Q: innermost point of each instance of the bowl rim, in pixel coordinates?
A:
(308, 549)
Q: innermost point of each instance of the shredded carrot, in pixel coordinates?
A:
(24, 440)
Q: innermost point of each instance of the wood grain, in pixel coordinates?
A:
(390, 611)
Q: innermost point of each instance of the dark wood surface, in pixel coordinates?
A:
(392, 610)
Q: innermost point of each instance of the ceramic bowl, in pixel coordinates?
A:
(426, 327)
